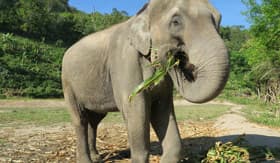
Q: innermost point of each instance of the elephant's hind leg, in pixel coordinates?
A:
(80, 122)
(94, 119)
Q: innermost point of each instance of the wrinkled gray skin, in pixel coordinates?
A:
(100, 71)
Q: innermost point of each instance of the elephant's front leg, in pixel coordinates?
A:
(137, 118)
(164, 123)
(126, 74)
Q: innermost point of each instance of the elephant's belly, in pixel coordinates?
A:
(102, 106)
(100, 103)
(95, 95)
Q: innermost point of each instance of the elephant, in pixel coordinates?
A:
(101, 70)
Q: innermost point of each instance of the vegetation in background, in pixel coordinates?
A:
(33, 37)
(268, 115)
(29, 68)
(262, 50)
(255, 62)
(254, 53)
(234, 38)
(52, 20)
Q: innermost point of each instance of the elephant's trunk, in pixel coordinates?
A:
(203, 73)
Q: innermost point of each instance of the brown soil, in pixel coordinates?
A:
(57, 143)
(234, 124)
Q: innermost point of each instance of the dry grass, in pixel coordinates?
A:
(57, 143)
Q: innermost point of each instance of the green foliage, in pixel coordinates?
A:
(29, 68)
(157, 77)
(7, 3)
(239, 151)
(100, 21)
(262, 50)
(226, 153)
(8, 20)
(58, 6)
(234, 37)
(52, 20)
(264, 16)
(27, 116)
(266, 114)
(254, 53)
(238, 84)
(32, 68)
(35, 17)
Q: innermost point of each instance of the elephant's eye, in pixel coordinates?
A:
(176, 21)
(176, 25)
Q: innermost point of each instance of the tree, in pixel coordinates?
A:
(101, 21)
(57, 5)
(36, 62)
(35, 17)
(5, 4)
(8, 18)
(263, 49)
(234, 37)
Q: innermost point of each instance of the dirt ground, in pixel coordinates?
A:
(57, 143)
(233, 124)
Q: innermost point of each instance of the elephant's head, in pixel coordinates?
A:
(187, 29)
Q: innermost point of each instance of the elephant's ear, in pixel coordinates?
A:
(216, 15)
(139, 34)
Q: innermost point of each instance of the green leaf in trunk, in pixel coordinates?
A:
(157, 77)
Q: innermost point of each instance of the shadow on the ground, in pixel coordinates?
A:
(195, 149)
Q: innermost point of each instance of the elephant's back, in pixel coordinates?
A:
(85, 70)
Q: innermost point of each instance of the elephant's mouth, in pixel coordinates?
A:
(185, 70)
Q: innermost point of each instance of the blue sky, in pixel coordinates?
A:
(230, 9)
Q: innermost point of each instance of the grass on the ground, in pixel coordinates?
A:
(200, 112)
(255, 109)
(12, 117)
(49, 116)
(238, 99)
(21, 116)
(263, 114)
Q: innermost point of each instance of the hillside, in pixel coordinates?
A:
(33, 37)
(29, 68)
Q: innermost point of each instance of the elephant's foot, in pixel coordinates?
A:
(84, 160)
(174, 155)
(95, 157)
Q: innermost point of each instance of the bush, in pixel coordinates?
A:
(29, 68)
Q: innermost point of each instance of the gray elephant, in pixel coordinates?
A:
(101, 70)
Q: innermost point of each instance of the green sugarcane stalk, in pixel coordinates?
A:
(156, 78)
(228, 152)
